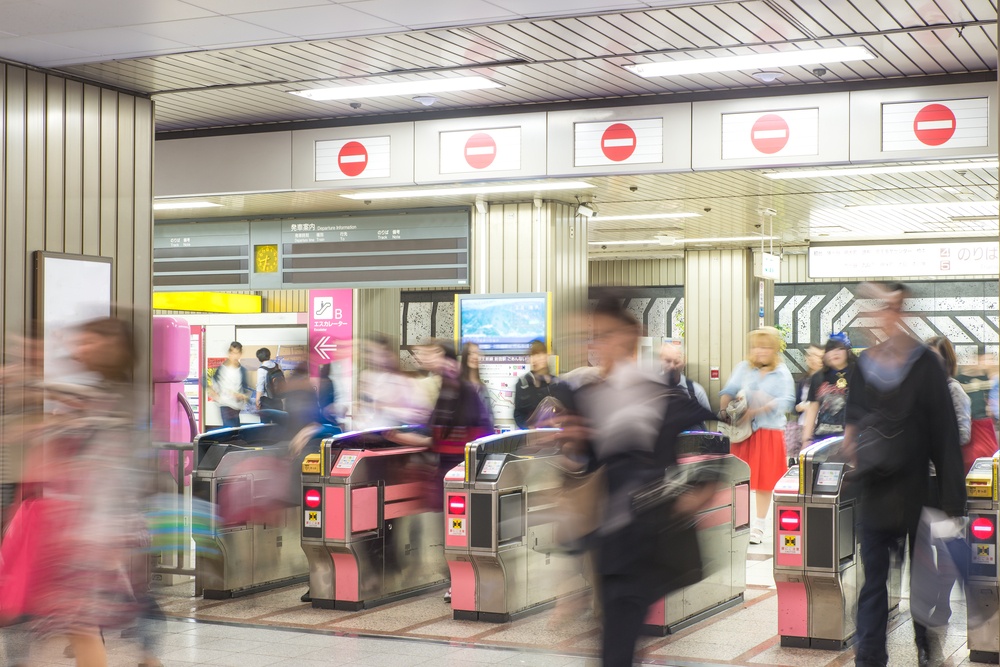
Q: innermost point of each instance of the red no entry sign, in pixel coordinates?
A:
(934, 124)
(769, 133)
(480, 150)
(618, 142)
(353, 158)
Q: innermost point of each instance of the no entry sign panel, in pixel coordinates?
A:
(783, 134)
(619, 142)
(935, 125)
(471, 151)
(352, 158)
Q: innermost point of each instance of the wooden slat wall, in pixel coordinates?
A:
(376, 311)
(637, 272)
(795, 269)
(77, 178)
(717, 313)
(568, 284)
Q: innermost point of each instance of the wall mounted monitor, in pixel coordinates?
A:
(503, 323)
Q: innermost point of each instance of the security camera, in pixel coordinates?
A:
(633, 188)
(604, 247)
(820, 71)
(707, 209)
(355, 105)
(368, 202)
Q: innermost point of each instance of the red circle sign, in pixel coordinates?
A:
(934, 124)
(480, 150)
(618, 142)
(769, 133)
(353, 158)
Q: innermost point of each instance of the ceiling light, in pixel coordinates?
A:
(471, 190)
(586, 210)
(891, 169)
(422, 88)
(721, 239)
(761, 61)
(767, 76)
(924, 205)
(174, 205)
(426, 100)
(666, 240)
(646, 216)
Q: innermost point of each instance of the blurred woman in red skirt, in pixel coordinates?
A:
(768, 390)
(976, 382)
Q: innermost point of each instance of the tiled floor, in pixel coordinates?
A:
(275, 628)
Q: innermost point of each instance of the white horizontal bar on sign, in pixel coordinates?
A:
(759, 135)
(470, 151)
(902, 125)
(340, 159)
(593, 148)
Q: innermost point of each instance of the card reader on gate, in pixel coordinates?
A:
(828, 476)
(979, 481)
(489, 470)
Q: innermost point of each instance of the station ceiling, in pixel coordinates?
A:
(215, 65)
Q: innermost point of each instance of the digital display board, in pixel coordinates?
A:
(503, 323)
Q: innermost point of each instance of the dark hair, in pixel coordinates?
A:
(467, 372)
(611, 307)
(236, 345)
(946, 351)
(537, 347)
(121, 332)
(836, 344)
(263, 354)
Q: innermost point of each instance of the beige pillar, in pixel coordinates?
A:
(376, 311)
(720, 297)
(536, 248)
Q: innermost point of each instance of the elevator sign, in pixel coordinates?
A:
(626, 142)
(342, 159)
(935, 125)
(481, 150)
(779, 134)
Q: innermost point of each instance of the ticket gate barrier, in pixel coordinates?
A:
(368, 531)
(500, 525)
(817, 558)
(237, 469)
(723, 537)
(982, 591)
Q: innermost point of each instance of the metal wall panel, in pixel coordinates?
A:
(866, 121)
(717, 313)
(637, 272)
(241, 163)
(376, 311)
(77, 178)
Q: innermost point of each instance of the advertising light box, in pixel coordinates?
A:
(904, 259)
(503, 323)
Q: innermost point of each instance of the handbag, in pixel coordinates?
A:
(581, 506)
(735, 430)
(881, 448)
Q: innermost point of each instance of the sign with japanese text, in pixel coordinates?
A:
(909, 259)
(331, 329)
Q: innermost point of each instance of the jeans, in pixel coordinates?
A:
(878, 547)
(230, 416)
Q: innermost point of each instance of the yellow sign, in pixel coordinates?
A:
(314, 516)
(789, 540)
(311, 465)
(982, 550)
(207, 302)
(456, 524)
(457, 527)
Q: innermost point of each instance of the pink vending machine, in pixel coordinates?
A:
(173, 420)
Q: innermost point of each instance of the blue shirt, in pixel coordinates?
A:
(761, 388)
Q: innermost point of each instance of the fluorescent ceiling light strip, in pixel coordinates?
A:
(645, 216)
(728, 239)
(368, 90)
(173, 205)
(754, 61)
(893, 169)
(924, 205)
(470, 190)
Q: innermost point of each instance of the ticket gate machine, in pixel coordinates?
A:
(982, 591)
(723, 535)
(234, 467)
(500, 525)
(368, 531)
(817, 557)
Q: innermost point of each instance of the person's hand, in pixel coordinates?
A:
(258, 403)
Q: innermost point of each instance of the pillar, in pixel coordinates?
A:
(536, 246)
(720, 307)
(376, 311)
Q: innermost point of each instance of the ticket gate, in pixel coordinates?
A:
(723, 536)
(817, 558)
(500, 523)
(368, 531)
(237, 469)
(982, 590)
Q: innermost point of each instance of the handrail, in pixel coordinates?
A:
(179, 477)
(189, 411)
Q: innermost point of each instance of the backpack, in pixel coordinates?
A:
(274, 387)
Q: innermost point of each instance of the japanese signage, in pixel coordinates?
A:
(331, 327)
(910, 259)
(500, 374)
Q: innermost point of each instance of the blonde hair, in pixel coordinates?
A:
(773, 340)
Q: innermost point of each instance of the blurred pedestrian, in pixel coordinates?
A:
(470, 360)
(793, 428)
(959, 397)
(674, 363)
(229, 386)
(900, 420)
(534, 385)
(976, 382)
(389, 397)
(826, 415)
(767, 387)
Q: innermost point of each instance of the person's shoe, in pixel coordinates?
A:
(447, 596)
(756, 535)
(306, 597)
(923, 656)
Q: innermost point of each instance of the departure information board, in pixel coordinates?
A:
(425, 248)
